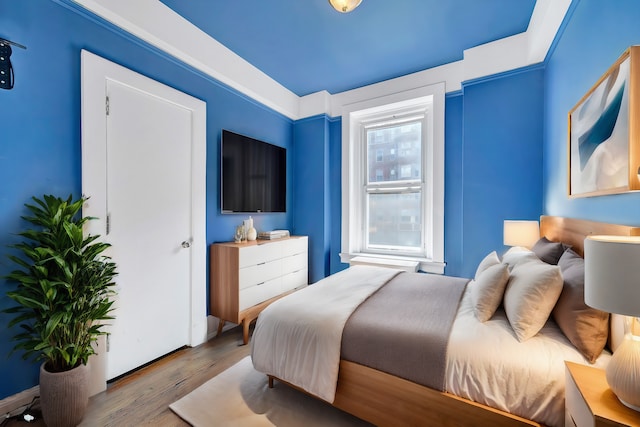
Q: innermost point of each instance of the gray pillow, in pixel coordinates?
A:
(548, 251)
(587, 328)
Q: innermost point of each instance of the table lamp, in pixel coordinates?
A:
(612, 283)
(520, 233)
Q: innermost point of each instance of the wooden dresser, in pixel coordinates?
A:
(246, 277)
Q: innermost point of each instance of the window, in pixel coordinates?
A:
(393, 197)
(385, 196)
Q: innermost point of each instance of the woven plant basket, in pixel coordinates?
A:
(64, 396)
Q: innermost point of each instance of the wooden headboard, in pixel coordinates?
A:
(574, 231)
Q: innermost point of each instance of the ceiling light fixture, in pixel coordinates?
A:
(344, 6)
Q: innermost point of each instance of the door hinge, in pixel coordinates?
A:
(106, 105)
(108, 336)
(108, 221)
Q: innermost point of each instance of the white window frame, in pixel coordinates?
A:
(427, 100)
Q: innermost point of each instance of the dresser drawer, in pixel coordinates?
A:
(295, 279)
(259, 293)
(258, 254)
(294, 263)
(252, 275)
(295, 246)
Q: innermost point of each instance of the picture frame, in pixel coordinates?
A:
(604, 132)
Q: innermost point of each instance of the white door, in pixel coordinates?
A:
(149, 211)
(143, 167)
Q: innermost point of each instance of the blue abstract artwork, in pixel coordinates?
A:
(599, 136)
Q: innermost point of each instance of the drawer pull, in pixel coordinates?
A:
(261, 283)
(261, 263)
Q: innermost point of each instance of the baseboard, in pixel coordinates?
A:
(18, 400)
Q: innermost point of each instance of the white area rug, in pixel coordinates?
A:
(240, 396)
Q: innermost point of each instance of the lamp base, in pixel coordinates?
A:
(629, 405)
(623, 372)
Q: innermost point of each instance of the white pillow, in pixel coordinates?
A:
(516, 255)
(532, 291)
(488, 261)
(487, 290)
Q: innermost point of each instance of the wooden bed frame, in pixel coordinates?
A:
(386, 400)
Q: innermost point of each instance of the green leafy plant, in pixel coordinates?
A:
(64, 285)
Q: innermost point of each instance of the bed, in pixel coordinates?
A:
(493, 373)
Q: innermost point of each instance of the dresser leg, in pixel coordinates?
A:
(220, 326)
(245, 330)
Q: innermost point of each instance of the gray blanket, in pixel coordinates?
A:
(403, 329)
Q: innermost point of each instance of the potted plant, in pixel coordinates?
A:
(63, 294)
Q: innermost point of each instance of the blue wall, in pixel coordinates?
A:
(501, 160)
(593, 38)
(311, 191)
(40, 122)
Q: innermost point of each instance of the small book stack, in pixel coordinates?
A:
(275, 234)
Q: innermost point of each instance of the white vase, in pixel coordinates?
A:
(252, 234)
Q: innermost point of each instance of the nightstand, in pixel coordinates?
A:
(590, 401)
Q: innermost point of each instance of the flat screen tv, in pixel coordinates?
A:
(254, 175)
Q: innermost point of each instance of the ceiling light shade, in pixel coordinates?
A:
(520, 233)
(612, 283)
(344, 6)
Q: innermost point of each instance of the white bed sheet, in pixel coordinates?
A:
(487, 364)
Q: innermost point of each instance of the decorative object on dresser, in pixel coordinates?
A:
(274, 234)
(520, 233)
(247, 277)
(603, 132)
(612, 274)
(250, 231)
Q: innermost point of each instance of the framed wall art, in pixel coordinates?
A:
(604, 132)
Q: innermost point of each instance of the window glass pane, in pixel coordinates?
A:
(394, 220)
(395, 148)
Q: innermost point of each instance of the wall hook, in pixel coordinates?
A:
(6, 69)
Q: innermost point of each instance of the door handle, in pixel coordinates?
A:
(186, 244)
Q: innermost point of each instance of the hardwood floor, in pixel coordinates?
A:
(143, 397)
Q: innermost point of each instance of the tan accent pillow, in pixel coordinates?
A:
(587, 328)
(487, 291)
(531, 294)
(488, 261)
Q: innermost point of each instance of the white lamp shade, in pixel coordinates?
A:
(521, 233)
(612, 274)
(344, 6)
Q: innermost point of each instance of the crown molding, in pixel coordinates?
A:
(161, 27)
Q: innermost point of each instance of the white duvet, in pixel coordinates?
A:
(297, 338)
(487, 364)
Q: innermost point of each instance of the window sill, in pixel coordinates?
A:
(423, 264)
